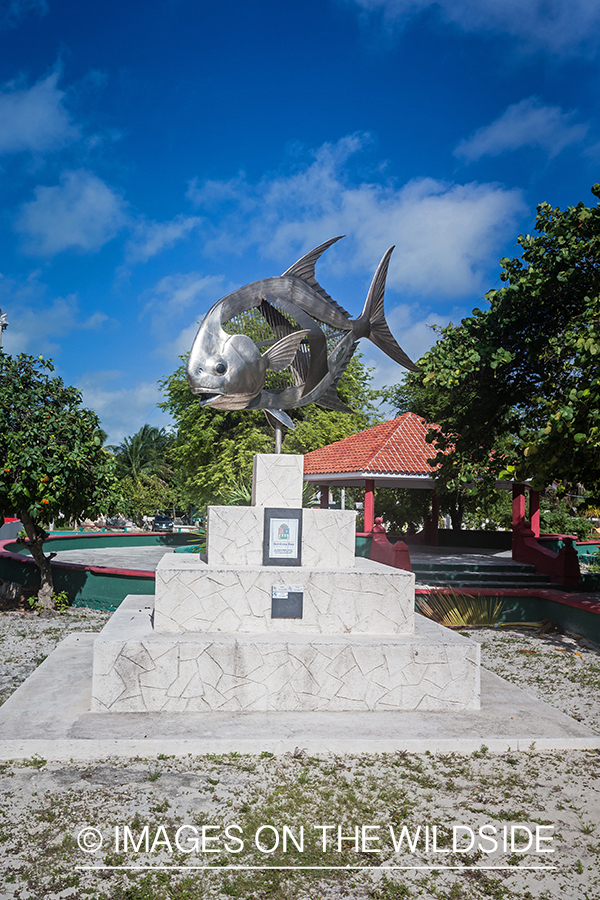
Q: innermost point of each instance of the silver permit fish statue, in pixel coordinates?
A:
(282, 342)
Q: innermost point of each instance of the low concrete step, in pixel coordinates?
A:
(481, 578)
(504, 584)
(427, 566)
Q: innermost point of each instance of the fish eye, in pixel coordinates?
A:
(220, 368)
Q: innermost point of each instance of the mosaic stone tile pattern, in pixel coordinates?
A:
(432, 670)
(277, 480)
(328, 538)
(234, 535)
(369, 599)
(215, 639)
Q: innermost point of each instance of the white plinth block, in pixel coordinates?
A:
(234, 535)
(277, 480)
(329, 632)
(328, 538)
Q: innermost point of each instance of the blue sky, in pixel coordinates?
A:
(155, 155)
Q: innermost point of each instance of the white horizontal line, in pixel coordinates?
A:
(235, 868)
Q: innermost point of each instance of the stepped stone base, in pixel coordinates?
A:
(137, 669)
(367, 599)
(281, 618)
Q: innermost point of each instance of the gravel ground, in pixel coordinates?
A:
(26, 640)
(561, 669)
(46, 805)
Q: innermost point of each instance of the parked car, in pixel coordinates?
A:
(163, 523)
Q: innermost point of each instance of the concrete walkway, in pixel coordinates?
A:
(141, 558)
(467, 556)
(147, 558)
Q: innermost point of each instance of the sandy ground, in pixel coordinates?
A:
(166, 803)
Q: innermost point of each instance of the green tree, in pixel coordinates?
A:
(214, 449)
(147, 479)
(145, 495)
(51, 458)
(144, 453)
(400, 508)
(316, 427)
(516, 388)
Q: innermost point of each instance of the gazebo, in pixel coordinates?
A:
(393, 454)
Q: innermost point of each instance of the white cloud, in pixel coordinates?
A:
(36, 321)
(563, 28)
(16, 9)
(181, 345)
(81, 213)
(178, 292)
(172, 299)
(525, 124)
(150, 238)
(122, 411)
(35, 119)
(414, 332)
(446, 235)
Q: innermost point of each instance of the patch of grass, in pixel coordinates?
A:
(35, 761)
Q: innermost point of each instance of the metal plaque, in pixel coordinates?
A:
(282, 542)
(287, 601)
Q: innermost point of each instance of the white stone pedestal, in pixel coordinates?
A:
(218, 640)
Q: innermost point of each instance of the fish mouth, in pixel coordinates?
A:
(205, 397)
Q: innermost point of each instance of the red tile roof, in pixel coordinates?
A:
(397, 447)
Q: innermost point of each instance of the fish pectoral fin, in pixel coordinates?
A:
(282, 354)
(278, 416)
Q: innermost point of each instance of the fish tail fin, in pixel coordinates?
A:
(372, 324)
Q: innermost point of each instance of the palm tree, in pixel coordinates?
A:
(144, 453)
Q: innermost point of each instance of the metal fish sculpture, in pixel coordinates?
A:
(307, 339)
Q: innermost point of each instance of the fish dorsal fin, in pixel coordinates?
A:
(281, 355)
(305, 270)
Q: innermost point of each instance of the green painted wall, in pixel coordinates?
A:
(101, 590)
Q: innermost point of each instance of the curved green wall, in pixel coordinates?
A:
(95, 586)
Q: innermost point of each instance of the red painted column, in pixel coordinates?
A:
(369, 505)
(324, 490)
(518, 507)
(534, 512)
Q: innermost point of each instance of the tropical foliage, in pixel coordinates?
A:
(144, 453)
(516, 388)
(52, 463)
(147, 480)
(457, 610)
